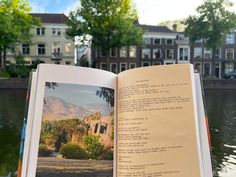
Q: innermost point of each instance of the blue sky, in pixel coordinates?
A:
(76, 94)
(150, 12)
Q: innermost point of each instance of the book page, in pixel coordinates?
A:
(157, 128)
(73, 124)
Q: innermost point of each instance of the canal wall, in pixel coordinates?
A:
(214, 84)
(207, 84)
(21, 83)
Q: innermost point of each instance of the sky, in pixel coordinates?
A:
(76, 94)
(150, 12)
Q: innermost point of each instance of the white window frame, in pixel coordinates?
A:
(172, 57)
(230, 38)
(185, 53)
(219, 56)
(130, 64)
(40, 31)
(194, 52)
(103, 63)
(113, 56)
(56, 31)
(172, 41)
(157, 43)
(207, 51)
(147, 40)
(25, 47)
(68, 49)
(134, 49)
(226, 53)
(123, 52)
(153, 53)
(123, 63)
(144, 52)
(112, 67)
(41, 49)
(204, 68)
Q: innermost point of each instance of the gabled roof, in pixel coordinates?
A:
(51, 18)
(157, 29)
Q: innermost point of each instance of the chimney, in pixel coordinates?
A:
(174, 27)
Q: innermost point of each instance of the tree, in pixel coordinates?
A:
(15, 25)
(213, 23)
(107, 94)
(111, 23)
(171, 24)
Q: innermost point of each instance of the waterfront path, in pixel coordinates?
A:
(51, 167)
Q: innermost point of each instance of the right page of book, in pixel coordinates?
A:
(157, 127)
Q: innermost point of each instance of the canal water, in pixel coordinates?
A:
(221, 108)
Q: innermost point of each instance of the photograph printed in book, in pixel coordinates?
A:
(77, 131)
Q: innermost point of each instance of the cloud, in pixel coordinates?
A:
(72, 7)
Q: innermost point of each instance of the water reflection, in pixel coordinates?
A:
(12, 103)
(222, 118)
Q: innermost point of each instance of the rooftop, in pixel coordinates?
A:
(157, 29)
(51, 18)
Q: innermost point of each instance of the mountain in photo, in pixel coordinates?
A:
(55, 108)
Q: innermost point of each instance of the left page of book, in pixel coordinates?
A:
(73, 122)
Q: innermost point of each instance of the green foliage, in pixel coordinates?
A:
(15, 24)
(107, 94)
(44, 151)
(110, 23)
(4, 74)
(213, 22)
(93, 146)
(73, 151)
(180, 27)
(106, 155)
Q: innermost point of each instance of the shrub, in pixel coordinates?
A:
(44, 151)
(73, 151)
(93, 146)
(106, 155)
(4, 74)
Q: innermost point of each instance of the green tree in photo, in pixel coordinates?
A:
(15, 25)
(93, 146)
(213, 22)
(110, 23)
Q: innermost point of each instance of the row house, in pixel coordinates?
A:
(159, 48)
(49, 43)
(223, 62)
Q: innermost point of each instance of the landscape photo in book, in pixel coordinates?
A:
(77, 131)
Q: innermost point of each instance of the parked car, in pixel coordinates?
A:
(230, 75)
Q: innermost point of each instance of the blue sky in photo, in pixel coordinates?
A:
(76, 94)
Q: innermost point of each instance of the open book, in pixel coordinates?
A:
(142, 122)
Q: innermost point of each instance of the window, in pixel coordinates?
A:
(229, 54)
(197, 53)
(157, 41)
(41, 49)
(103, 66)
(123, 67)
(229, 67)
(146, 53)
(145, 63)
(156, 54)
(123, 52)
(113, 52)
(132, 51)
(207, 53)
(169, 54)
(147, 41)
(169, 41)
(56, 31)
(113, 68)
(25, 49)
(68, 49)
(218, 53)
(230, 39)
(183, 54)
(56, 48)
(207, 69)
(67, 62)
(40, 31)
(132, 65)
(103, 129)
